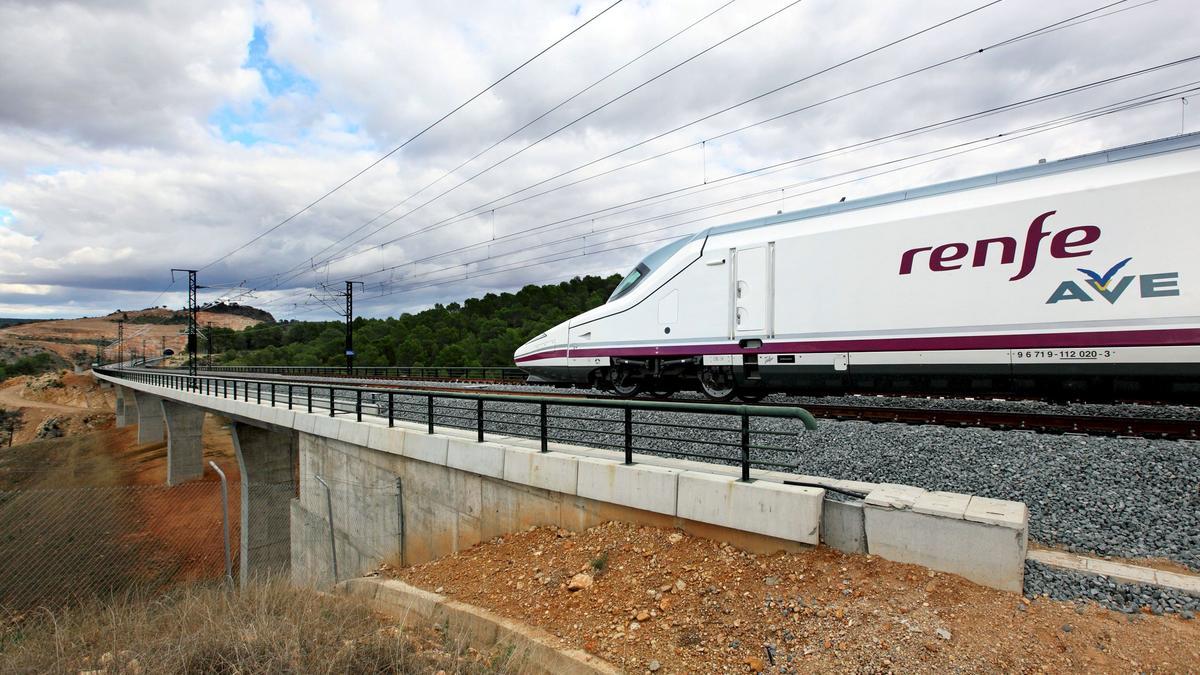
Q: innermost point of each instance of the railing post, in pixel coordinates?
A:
(745, 447)
(235, 390)
(289, 395)
(391, 409)
(258, 392)
(358, 405)
(430, 414)
(629, 435)
(544, 422)
(479, 419)
(310, 398)
(272, 394)
(332, 407)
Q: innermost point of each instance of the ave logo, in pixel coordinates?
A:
(1110, 288)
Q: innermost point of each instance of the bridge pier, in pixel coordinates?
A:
(265, 460)
(127, 410)
(185, 443)
(149, 417)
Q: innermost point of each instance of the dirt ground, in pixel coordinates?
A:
(90, 513)
(75, 404)
(662, 601)
(69, 337)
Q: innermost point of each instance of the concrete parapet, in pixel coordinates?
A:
(843, 526)
(641, 486)
(783, 511)
(933, 529)
(185, 441)
(426, 447)
(485, 459)
(149, 418)
(546, 470)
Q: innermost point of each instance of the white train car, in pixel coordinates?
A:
(1077, 278)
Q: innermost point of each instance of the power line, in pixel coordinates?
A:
(412, 138)
(1161, 96)
(493, 204)
(805, 159)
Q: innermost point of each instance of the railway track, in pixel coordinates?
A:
(1005, 420)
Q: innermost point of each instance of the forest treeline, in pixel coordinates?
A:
(479, 332)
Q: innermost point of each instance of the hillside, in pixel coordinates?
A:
(479, 332)
(74, 340)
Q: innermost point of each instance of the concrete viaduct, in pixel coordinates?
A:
(403, 494)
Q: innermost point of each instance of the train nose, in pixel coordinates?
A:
(542, 349)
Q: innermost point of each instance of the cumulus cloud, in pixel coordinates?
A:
(140, 136)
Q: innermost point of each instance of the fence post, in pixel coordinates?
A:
(543, 420)
(225, 522)
(629, 435)
(332, 407)
(289, 395)
(430, 415)
(310, 398)
(391, 409)
(332, 540)
(358, 405)
(479, 419)
(745, 447)
(258, 392)
(272, 394)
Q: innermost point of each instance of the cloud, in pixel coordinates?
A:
(136, 137)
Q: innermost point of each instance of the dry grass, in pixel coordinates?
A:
(270, 628)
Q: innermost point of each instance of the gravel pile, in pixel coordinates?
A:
(1130, 598)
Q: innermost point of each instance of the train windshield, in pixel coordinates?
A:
(645, 267)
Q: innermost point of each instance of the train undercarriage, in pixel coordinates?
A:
(664, 377)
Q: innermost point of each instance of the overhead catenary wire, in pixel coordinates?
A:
(805, 159)
(495, 203)
(957, 149)
(777, 89)
(412, 138)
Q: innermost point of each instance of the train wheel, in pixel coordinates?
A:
(624, 385)
(718, 383)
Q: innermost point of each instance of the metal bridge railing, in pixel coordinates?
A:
(741, 435)
(460, 373)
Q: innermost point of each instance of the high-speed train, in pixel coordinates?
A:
(1074, 279)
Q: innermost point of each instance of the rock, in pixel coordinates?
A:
(1067, 628)
(675, 537)
(943, 634)
(643, 616)
(755, 663)
(1187, 615)
(679, 585)
(51, 428)
(439, 589)
(579, 582)
(653, 666)
(771, 581)
(107, 658)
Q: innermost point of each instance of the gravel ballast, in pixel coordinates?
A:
(1061, 584)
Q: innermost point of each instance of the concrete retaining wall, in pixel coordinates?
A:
(402, 490)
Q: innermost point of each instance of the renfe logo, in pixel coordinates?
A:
(1064, 244)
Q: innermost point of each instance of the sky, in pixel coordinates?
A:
(139, 136)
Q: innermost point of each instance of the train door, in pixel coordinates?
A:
(751, 291)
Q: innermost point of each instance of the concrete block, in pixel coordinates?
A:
(894, 496)
(843, 526)
(425, 447)
(640, 486)
(386, 440)
(1014, 515)
(943, 504)
(327, 427)
(547, 470)
(353, 432)
(783, 511)
(990, 555)
(151, 426)
(284, 418)
(305, 422)
(485, 459)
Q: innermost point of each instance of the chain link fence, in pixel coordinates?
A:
(63, 546)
